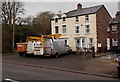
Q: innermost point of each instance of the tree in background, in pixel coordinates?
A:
(42, 23)
(24, 29)
(11, 11)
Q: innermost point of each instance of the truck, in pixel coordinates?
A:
(46, 45)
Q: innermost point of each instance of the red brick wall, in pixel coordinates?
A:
(103, 19)
(115, 34)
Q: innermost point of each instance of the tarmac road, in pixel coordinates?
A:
(70, 62)
(22, 72)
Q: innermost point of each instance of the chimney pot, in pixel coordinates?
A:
(79, 6)
(118, 15)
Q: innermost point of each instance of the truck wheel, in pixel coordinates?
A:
(26, 55)
(20, 54)
(56, 55)
(68, 52)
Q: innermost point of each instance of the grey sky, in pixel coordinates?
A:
(33, 8)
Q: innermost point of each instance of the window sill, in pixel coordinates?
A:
(64, 33)
(87, 21)
(64, 22)
(87, 33)
(77, 33)
(56, 23)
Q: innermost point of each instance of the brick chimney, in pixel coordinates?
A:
(79, 6)
(118, 15)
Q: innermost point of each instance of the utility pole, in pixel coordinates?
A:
(13, 34)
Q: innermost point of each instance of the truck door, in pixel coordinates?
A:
(30, 47)
(47, 47)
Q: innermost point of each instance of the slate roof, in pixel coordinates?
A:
(83, 11)
(114, 21)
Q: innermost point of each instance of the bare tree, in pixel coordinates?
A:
(11, 11)
(42, 22)
(26, 21)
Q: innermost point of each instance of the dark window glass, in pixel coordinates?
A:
(56, 20)
(63, 18)
(56, 29)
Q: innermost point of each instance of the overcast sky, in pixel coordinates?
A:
(33, 8)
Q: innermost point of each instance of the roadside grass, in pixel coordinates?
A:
(9, 53)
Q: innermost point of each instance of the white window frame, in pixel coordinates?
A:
(87, 18)
(91, 44)
(114, 27)
(80, 44)
(114, 43)
(76, 19)
(77, 25)
(55, 29)
(64, 29)
(64, 19)
(87, 29)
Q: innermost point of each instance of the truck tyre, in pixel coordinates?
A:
(68, 52)
(56, 55)
(20, 54)
(26, 55)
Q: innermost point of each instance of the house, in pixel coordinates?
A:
(113, 38)
(83, 27)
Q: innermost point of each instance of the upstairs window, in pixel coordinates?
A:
(114, 27)
(56, 20)
(64, 19)
(87, 29)
(77, 29)
(77, 20)
(56, 30)
(86, 17)
(64, 28)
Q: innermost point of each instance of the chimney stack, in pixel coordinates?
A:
(118, 15)
(79, 6)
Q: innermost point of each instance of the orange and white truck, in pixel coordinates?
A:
(46, 45)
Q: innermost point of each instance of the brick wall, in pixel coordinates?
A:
(102, 19)
(114, 34)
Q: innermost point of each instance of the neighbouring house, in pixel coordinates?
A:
(83, 27)
(113, 39)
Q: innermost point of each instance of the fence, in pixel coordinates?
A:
(86, 51)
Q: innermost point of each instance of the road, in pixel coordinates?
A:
(26, 72)
(70, 62)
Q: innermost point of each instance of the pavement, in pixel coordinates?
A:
(86, 64)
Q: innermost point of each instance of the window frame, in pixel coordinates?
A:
(87, 28)
(114, 28)
(64, 19)
(80, 44)
(77, 29)
(56, 20)
(87, 18)
(57, 32)
(64, 29)
(91, 44)
(114, 43)
(76, 19)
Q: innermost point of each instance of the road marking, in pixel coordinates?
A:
(11, 80)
